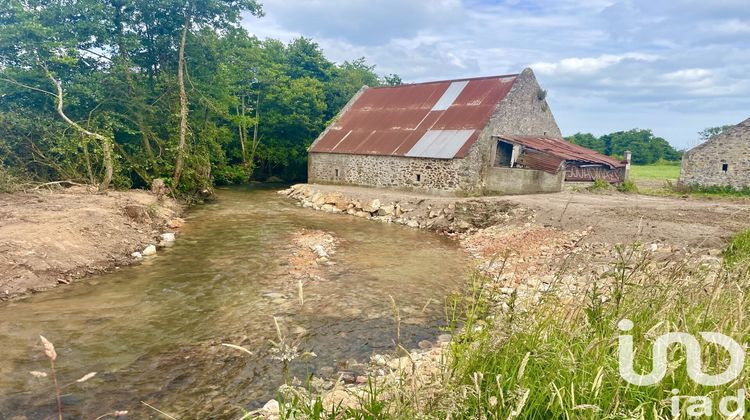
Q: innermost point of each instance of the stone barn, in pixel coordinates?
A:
(465, 137)
(722, 161)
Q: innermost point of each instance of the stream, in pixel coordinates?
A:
(152, 331)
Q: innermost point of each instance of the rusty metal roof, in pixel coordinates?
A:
(548, 153)
(434, 119)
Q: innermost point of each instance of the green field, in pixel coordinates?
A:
(657, 171)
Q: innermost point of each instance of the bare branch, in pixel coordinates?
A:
(17, 83)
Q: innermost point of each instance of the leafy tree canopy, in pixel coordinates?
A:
(646, 147)
(254, 105)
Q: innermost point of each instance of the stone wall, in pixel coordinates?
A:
(724, 160)
(522, 112)
(522, 181)
(420, 174)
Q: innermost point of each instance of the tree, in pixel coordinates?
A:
(30, 45)
(216, 14)
(173, 89)
(392, 80)
(646, 147)
(709, 132)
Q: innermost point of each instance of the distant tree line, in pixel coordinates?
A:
(124, 91)
(646, 147)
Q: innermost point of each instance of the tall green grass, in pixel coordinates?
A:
(739, 249)
(558, 358)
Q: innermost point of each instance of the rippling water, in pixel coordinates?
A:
(152, 331)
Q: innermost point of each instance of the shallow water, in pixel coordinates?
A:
(152, 331)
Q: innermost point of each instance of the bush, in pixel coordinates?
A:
(600, 185)
(628, 186)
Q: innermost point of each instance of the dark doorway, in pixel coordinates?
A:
(503, 154)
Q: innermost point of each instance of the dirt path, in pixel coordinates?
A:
(621, 218)
(53, 237)
(614, 217)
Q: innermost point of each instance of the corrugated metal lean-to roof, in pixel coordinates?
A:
(436, 119)
(548, 153)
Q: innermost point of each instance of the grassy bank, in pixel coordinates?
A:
(661, 179)
(559, 359)
(656, 172)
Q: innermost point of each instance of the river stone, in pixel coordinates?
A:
(175, 223)
(440, 224)
(372, 206)
(271, 408)
(318, 199)
(444, 338)
(319, 250)
(400, 363)
(348, 377)
(167, 237)
(412, 224)
(330, 208)
(424, 345)
(386, 210)
(149, 250)
(137, 255)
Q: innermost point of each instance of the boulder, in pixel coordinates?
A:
(149, 250)
(271, 408)
(372, 206)
(318, 199)
(386, 210)
(168, 237)
(330, 208)
(137, 255)
(440, 224)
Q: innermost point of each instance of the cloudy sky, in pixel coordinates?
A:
(675, 67)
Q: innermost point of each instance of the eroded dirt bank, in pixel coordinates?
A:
(48, 238)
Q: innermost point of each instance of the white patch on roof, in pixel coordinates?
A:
(450, 95)
(440, 144)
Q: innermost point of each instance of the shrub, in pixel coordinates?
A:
(600, 185)
(628, 186)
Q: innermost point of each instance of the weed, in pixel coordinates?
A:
(738, 250)
(600, 185)
(629, 186)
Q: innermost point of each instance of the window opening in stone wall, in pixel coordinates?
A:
(337, 173)
(419, 177)
(503, 154)
(725, 167)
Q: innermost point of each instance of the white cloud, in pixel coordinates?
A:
(588, 65)
(675, 67)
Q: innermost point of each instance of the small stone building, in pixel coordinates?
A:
(466, 137)
(722, 161)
